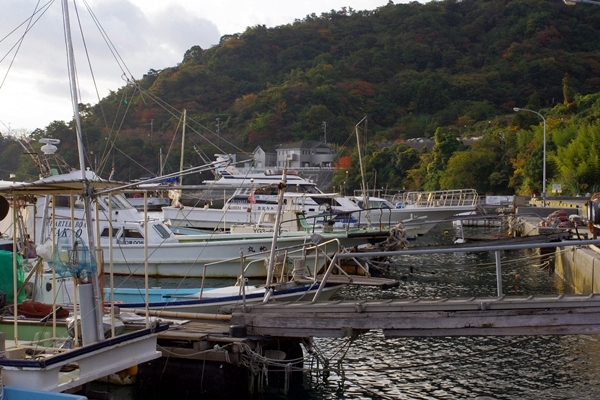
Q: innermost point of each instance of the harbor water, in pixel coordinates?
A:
(373, 367)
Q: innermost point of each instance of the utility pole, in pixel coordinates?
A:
(325, 132)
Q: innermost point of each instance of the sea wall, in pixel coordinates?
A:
(579, 267)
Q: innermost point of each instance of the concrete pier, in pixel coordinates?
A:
(579, 267)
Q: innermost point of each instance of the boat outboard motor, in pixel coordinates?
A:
(4, 208)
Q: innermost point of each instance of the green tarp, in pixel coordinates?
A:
(6, 275)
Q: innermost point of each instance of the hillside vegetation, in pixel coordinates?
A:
(445, 70)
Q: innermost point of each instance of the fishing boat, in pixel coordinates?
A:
(437, 204)
(289, 278)
(230, 177)
(294, 222)
(302, 282)
(286, 287)
(426, 208)
(38, 349)
(379, 211)
(246, 204)
(299, 283)
(155, 199)
(60, 355)
(135, 244)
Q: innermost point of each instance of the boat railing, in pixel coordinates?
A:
(378, 217)
(296, 253)
(437, 198)
(371, 193)
(322, 250)
(334, 267)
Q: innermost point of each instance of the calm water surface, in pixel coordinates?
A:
(530, 367)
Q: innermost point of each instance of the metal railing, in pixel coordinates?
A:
(437, 198)
(497, 249)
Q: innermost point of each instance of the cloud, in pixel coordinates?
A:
(119, 39)
(145, 34)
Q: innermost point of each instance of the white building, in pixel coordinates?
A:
(305, 154)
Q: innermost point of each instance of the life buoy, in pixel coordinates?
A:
(4, 207)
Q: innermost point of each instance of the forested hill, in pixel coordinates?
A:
(409, 67)
(438, 69)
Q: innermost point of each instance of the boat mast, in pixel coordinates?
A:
(276, 226)
(182, 148)
(87, 199)
(176, 194)
(362, 174)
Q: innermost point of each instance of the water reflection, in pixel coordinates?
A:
(526, 367)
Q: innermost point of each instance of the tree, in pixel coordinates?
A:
(568, 91)
(446, 144)
(485, 167)
(578, 164)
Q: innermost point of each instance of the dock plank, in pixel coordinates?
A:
(429, 317)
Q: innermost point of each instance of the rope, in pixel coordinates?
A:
(397, 240)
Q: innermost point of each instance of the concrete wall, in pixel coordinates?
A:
(579, 267)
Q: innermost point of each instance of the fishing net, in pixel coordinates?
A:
(72, 257)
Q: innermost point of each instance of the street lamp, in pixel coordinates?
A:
(573, 2)
(516, 109)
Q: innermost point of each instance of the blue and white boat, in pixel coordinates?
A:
(211, 300)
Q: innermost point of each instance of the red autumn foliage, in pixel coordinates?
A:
(343, 162)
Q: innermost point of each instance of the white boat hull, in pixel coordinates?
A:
(392, 216)
(188, 259)
(207, 218)
(95, 361)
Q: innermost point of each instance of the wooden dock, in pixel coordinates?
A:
(490, 316)
(243, 347)
(261, 344)
(220, 337)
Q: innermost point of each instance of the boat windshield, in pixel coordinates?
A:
(118, 202)
(290, 188)
(374, 203)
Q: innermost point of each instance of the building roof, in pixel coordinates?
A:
(266, 149)
(303, 144)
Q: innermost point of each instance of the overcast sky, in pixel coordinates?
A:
(147, 34)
